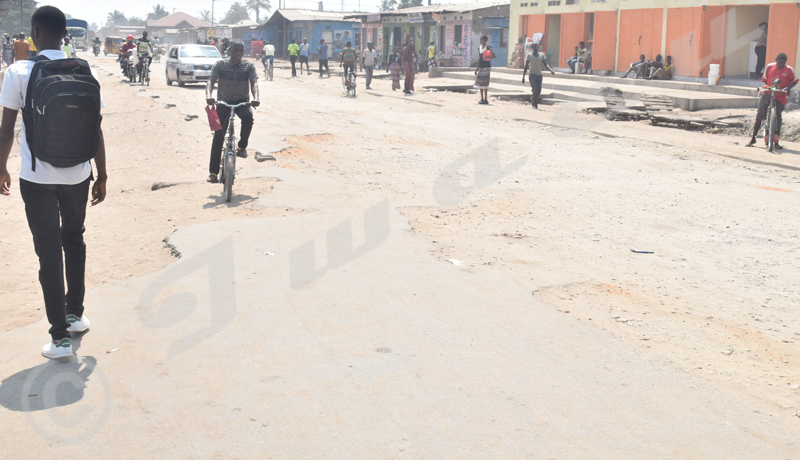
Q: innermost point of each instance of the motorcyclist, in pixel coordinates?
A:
(145, 51)
(123, 53)
(96, 45)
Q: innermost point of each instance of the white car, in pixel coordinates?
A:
(190, 63)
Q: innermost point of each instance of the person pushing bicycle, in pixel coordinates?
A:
(782, 76)
(237, 78)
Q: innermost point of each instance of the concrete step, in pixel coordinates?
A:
(690, 100)
(684, 85)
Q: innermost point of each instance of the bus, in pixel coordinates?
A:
(79, 29)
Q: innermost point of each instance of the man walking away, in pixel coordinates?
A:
(31, 47)
(409, 58)
(431, 56)
(368, 61)
(322, 49)
(536, 62)
(237, 78)
(782, 76)
(55, 197)
(21, 49)
(294, 50)
(304, 56)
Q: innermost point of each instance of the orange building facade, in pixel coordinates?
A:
(695, 34)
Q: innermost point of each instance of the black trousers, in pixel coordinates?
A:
(246, 115)
(55, 216)
(761, 58)
(323, 62)
(293, 59)
(536, 86)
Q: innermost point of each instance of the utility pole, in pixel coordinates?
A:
(20, 15)
(212, 13)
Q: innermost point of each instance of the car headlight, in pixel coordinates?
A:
(186, 67)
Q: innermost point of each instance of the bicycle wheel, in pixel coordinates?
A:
(270, 71)
(230, 171)
(353, 85)
(771, 128)
(344, 83)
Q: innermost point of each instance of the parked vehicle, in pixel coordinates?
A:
(79, 29)
(190, 63)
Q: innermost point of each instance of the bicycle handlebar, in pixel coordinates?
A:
(233, 106)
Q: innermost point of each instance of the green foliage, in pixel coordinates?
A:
(257, 6)
(157, 13)
(11, 25)
(206, 15)
(388, 5)
(116, 18)
(134, 21)
(238, 12)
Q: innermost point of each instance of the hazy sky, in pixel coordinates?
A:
(97, 10)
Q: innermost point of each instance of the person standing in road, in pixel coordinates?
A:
(322, 49)
(394, 68)
(55, 198)
(536, 62)
(409, 57)
(784, 77)
(237, 78)
(368, 62)
(32, 47)
(294, 50)
(431, 56)
(304, 56)
(21, 48)
(8, 51)
(483, 73)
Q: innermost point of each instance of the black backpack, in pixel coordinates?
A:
(62, 112)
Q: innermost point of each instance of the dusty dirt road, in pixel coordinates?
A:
(552, 202)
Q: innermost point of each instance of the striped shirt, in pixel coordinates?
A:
(234, 81)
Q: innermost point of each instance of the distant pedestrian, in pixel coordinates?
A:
(368, 61)
(8, 51)
(304, 56)
(294, 51)
(322, 49)
(536, 62)
(484, 71)
(409, 58)
(761, 48)
(349, 59)
(431, 56)
(32, 47)
(394, 68)
(21, 48)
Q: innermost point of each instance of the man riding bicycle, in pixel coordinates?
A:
(145, 51)
(123, 51)
(268, 55)
(783, 77)
(349, 57)
(236, 76)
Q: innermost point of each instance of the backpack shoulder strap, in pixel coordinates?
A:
(39, 57)
(33, 76)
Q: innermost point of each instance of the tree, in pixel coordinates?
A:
(11, 24)
(134, 21)
(238, 12)
(206, 15)
(116, 18)
(257, 6)
(409, 3)
(94, 26)
(158, 13)
(388, 5)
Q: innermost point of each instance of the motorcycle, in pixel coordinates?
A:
(96, 49)
(130, 65)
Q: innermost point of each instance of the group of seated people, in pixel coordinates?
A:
(651, 70)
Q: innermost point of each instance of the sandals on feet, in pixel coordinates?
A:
(212, 178)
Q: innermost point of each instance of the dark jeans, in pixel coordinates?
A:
(293, 59)
(536, 87)
(32, 54)
(323, 62)
(571, 63)
(55, 216)
(761, 114)
(761, 58)
(369, 69)
(246, 115)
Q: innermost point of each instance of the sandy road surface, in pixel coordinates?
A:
(699, 339)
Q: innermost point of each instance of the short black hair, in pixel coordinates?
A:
(50, 19)
(348, 43)
(237, 42)
(782, 56)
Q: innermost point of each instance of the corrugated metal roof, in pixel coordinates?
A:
(175, 19)
(448, 7)
(314, 15)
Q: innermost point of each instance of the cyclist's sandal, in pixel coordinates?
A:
(212, 178)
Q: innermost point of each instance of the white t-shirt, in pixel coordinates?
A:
(269, 50)
(370, 56)
(12, 96)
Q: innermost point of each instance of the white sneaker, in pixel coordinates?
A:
(77, 324)
(55, 350)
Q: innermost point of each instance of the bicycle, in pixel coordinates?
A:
(771, 125)
(268, 70)
(349, 81)
(145, 77)
(227, 167)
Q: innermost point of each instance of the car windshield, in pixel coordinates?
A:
(199, 52)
